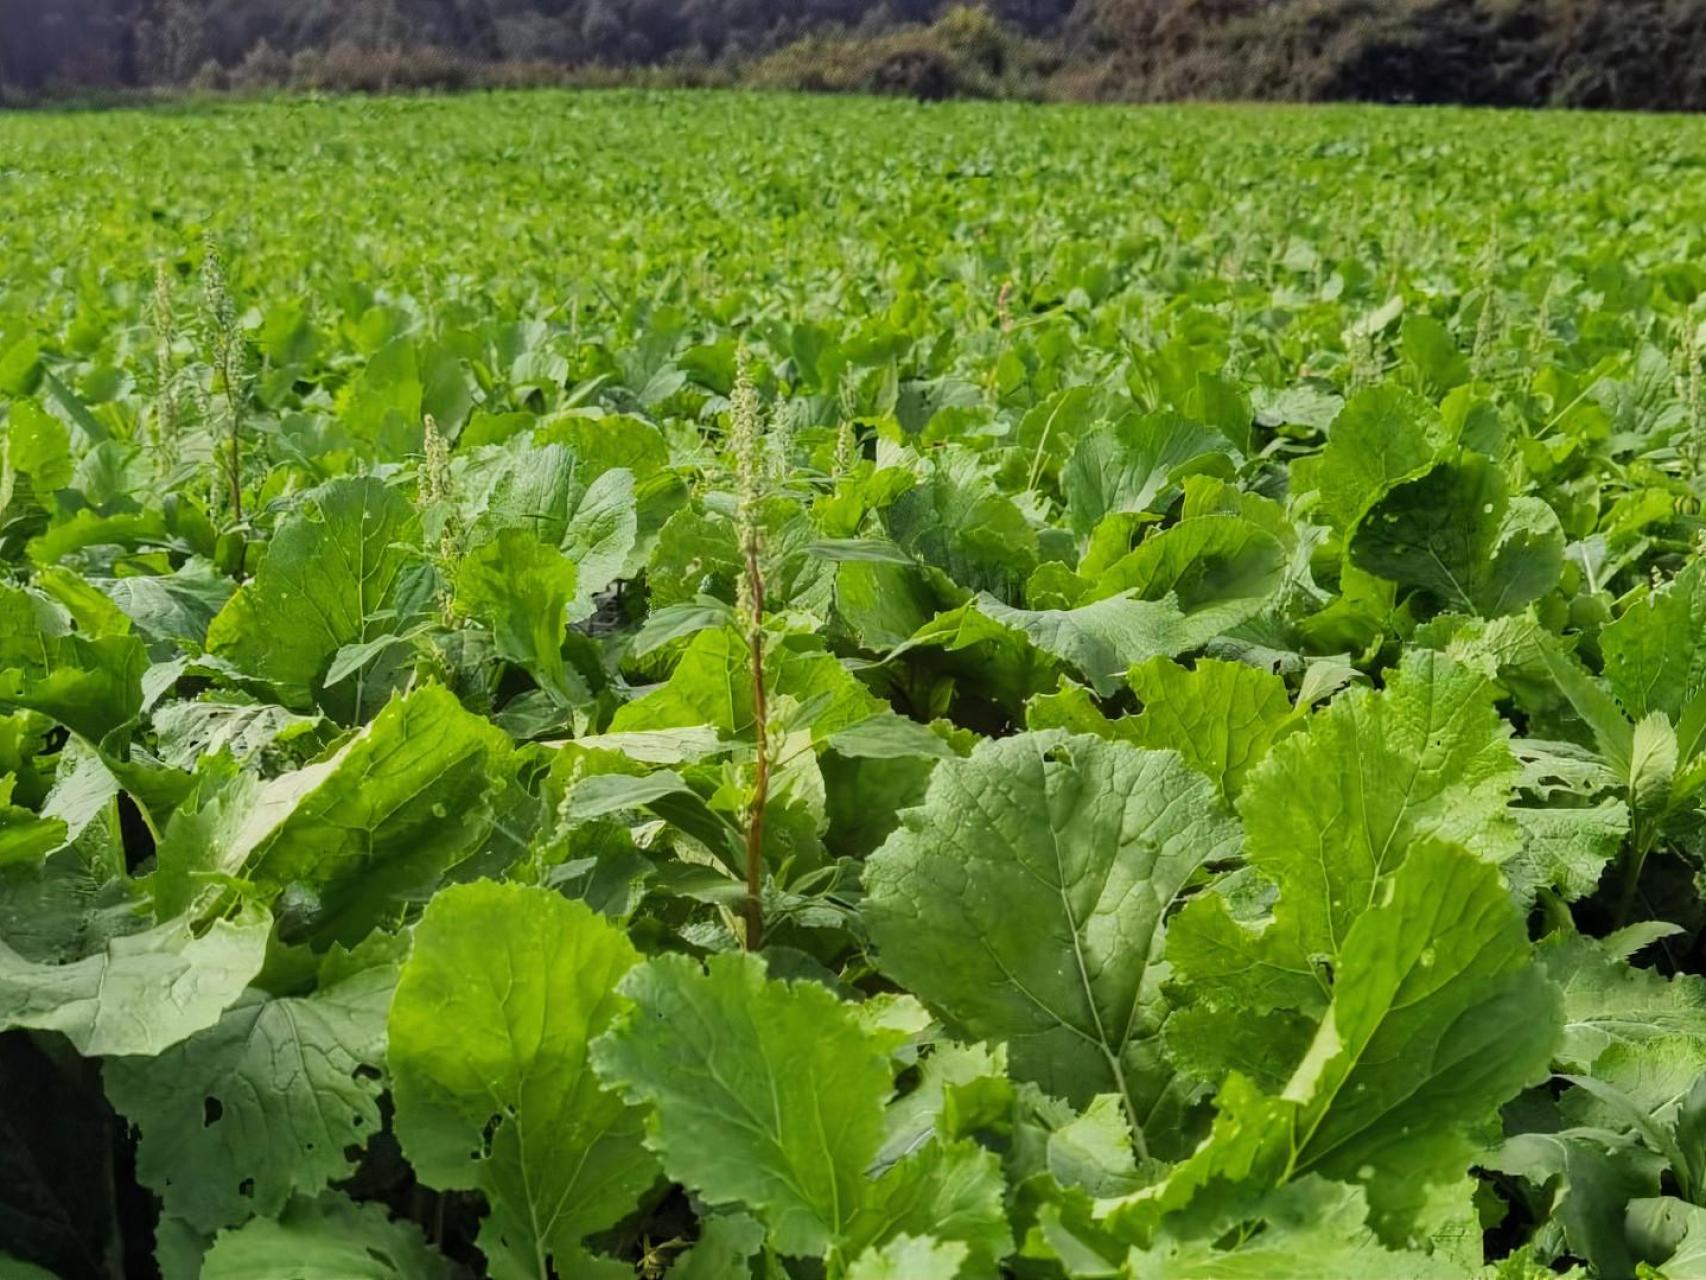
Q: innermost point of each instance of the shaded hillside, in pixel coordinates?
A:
(104, 43)
(1648, 54)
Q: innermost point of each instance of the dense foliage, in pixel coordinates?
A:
(1223, 778)
(1631, 54)
(116, 42)
(1646, 54)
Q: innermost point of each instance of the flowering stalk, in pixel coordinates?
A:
(745, 433)
(436, 503)
(1482, 347)
(226, 345)
(845, 441)
(779, 448)
(1688, 391)
(165, 426)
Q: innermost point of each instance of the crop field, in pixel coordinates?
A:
(743, 688)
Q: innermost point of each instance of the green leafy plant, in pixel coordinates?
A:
(1129, 703)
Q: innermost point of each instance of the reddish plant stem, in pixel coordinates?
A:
(761, 769)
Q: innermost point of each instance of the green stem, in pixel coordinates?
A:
(1632, 879)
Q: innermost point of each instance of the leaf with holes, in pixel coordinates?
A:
(275, 1099)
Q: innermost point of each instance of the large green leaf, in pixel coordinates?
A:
(1382, 437)
(1566, 849)
(1244, 1156)
(331, 1238)
(1458, 536)
(1334, 809)
(600, 537)
(1222, 717)
(910, 1258)
(1130, 466)
(666, 794)
(383, 405)
(1025, 901)
(25, 836)
(358, 837)
(91, 685)
(1669, 1234)
(332, 573)
(175, 607)
(980, 659)
(1655, 656)
(1591, 1179)
(766, 1094)
(1311, 1231)
(952, 1190)
(1622, 1022)
(521, 589)
(958, 520)
(187, 731)
(770, 1094)
(1103, 639)
(504, 989)
(37, 445)
(1217, 568)
(271, 1101)
(142, 993)
(28, 621)
(1439, 1017)
(712, 685)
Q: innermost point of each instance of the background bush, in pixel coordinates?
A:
(1586, 53)
(1647, 54)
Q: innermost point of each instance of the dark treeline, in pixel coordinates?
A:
(1637, 54)
(1648, 54)
(136, 42)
